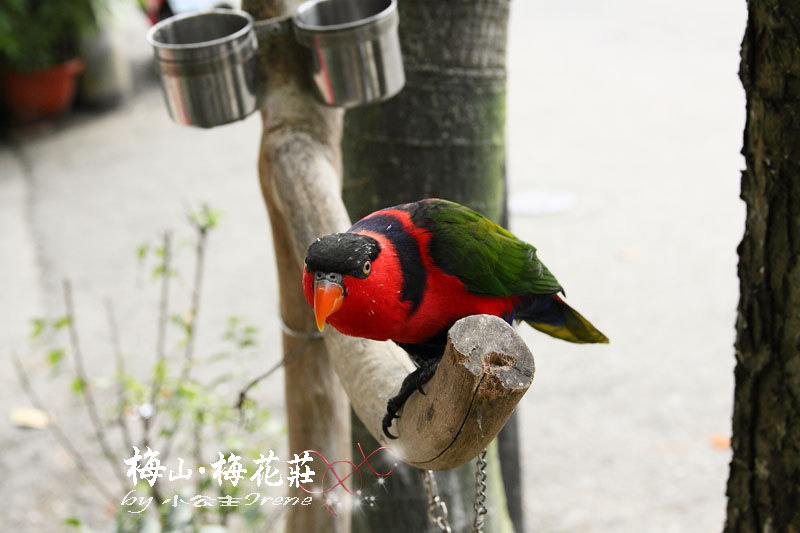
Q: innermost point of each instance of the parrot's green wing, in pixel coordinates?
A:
(487, 258)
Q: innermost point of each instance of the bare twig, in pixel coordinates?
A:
(161, 339)
(117, 348)
(296, 350)
(61, 437)
(200, 252)
(86, 390)
(188, 355)
(188, 359)
(163, 318)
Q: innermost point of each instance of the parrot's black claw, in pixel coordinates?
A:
(425, 372)
(414, 381)
(387, 421)
(391, 413)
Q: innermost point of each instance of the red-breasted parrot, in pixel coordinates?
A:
(409, 272)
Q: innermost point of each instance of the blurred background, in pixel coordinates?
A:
(624, 126)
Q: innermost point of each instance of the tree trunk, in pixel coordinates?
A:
(443, 135)
(764, 483)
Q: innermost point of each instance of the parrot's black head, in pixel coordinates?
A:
(329, 261)
(342, 253)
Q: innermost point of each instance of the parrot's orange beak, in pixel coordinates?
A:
(328, 298)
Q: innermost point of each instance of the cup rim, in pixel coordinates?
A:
(309, 4)
(247, 28)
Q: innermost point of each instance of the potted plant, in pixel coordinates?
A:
(39, 54)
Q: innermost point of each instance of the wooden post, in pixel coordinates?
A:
(301, 137)
(487, 368)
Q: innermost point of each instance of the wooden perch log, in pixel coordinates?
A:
(486, 368)
(485, 371)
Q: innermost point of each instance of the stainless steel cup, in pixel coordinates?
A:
(355, 49)
(207, 62)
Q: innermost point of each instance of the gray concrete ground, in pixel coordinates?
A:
(632, 110)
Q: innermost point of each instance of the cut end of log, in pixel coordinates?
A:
(485, 371)
(487, 343)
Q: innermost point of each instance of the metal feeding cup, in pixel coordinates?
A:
(207, 60)
(207, 65)
(355, 49)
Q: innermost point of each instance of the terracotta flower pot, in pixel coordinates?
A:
(40, 94)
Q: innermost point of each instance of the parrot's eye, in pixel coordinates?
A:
(367, 268)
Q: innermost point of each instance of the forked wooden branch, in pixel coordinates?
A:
(486, 368)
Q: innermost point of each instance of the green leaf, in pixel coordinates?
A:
(141, 252)
(248, 403)
(72, 522)
(54, 357)
(38, 326)
(183, 323)
(188, 390)
(130, 383)
(205, 219)
(159, 271)
(62, 322)
(78, 386)
(160, 370)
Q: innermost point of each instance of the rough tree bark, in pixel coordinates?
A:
(764, 483)
(443, 135)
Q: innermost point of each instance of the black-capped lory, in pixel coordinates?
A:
(409, 272)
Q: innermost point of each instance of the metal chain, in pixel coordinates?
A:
(480, 494)
(437, 509)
